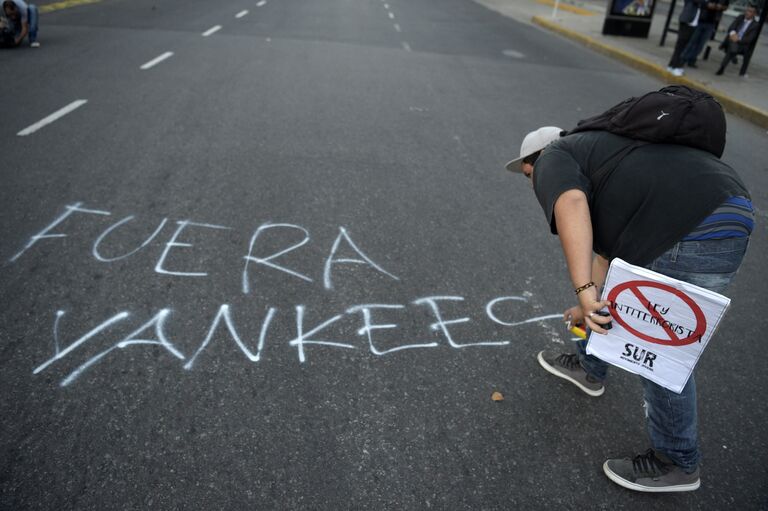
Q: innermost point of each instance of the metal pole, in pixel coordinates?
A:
(554, 11)
(666, 25)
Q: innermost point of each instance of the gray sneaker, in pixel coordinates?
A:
(568, 367)
(648, 472)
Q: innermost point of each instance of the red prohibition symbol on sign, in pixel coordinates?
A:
(673, 340)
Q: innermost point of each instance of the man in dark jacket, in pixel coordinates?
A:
(687, 22)
(741, 33)
(711, 12)
(676, 210)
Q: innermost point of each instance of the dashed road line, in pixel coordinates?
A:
(391, 16)
(54, 116)
(262, 3)
(241, 13)
(386, 6)
(406, 46)
(397, 28)
(156, 60)
(513, 53)
(212, 30)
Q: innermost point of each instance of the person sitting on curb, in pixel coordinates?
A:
(662, 208)
(741, 33)
(24, 20)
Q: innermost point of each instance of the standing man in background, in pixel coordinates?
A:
(687, 22)
(711, 12)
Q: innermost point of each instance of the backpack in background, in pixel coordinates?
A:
(672, 115)
(6, 33)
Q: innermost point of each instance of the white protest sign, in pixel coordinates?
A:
(660, 325)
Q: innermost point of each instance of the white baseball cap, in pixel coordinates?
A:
(533, 142)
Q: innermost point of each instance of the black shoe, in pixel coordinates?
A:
(692, 65)
(647, 472)
(568, 367)
(719, 72)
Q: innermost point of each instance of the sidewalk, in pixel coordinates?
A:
(582, 21)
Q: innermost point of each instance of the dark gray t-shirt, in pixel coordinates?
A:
(656, 195)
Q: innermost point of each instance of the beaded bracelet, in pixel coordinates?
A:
(582, 288)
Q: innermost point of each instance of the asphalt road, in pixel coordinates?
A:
(177, 248)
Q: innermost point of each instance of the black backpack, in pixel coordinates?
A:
(6, 38)
(672, 115)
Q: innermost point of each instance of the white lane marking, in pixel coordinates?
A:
(262, 3)
(241, 13)
(211, 30)
(406, 46)
(55, 115)
(397, 27)
(156, 60)
(513, 53)
(391, 16)
(386, 6)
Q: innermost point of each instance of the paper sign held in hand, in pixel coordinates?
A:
(661, 325)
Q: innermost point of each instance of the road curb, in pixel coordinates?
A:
(731, 105)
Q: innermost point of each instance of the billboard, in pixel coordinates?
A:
(636, 8)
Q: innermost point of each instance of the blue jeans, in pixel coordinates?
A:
(670, 417)
(701, 35)
(32, 18)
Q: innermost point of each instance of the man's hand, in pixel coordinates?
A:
(22, 34)
(589, 306)
(574, 316)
